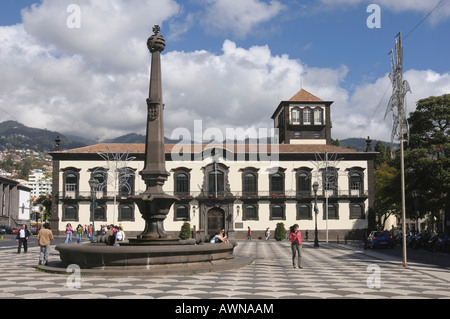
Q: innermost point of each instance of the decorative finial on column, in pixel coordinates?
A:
(156, 42)
(369, 145)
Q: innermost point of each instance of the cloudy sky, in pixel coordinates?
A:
(227, 63)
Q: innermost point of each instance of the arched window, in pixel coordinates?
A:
(306, 116)
(71, 185)
(102, 183)
(126, 213)
(303, 184)
(318, 116)
(250, 184)
(181, 184)
(277, 183)
(276, 212)
(70, 213)
(295, 116)
(356, 211)
(304, 212)
(182, 212)
(355, 184)
(216, 183)
(333, 211)
(100, 213)
(330, 180)
(126, 182)
(250, 212)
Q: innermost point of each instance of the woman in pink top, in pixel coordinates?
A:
(69, 231)
(295, 238)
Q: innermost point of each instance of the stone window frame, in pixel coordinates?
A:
(77, 208)
(282, 205)
(67, 171)
(133, 186)
(256, 205)
(249, 170)
(311, 116)
(319, 108)
(181, 170)
(209, 168)
(303, 170)
(350, 172)
(300, 117)
(280, 171)
(178, 219)
(363, 210)
(100, 170)
(133, 212)
(105, 208)
(310, 214)
(336, 206)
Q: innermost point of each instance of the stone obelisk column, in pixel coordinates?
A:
(154, 204)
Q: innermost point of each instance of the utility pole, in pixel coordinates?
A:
(400, 125)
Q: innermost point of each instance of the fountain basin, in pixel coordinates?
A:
(144, 260)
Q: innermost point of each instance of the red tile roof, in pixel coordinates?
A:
(304, 96)
(192, 148)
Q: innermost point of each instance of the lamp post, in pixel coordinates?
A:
(93, 184)
(316, 211)
(415, 195)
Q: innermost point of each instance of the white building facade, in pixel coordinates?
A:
(233, 187)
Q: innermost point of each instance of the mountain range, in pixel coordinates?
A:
(16, 135)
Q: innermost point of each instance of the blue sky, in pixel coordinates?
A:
(212, 44)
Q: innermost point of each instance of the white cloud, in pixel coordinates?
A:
(239, 17)
(94, 81)
(111, 31)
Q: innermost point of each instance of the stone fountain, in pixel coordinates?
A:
(153, 252)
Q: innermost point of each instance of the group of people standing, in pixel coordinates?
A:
(79, 231)
(87, 230)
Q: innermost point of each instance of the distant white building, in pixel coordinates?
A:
(15, 201)
(39, 183)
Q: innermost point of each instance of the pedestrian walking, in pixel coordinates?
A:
(69, 231)
(44, 237)
(306, 235)
(249, 233)
(296, 245)
(22, 238)
(267, 233)
(79, 233)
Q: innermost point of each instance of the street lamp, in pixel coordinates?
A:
(316, 211)
(93, 184)
(415, 195)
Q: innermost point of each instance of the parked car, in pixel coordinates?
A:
(381, 239)
(5, 229)
(15, 231)
(34, 231)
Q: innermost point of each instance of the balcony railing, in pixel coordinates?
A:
(289, 194)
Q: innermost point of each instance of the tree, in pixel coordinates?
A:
(381, 157)
(427, 162)
(387, 193)
(280, 232)
(46, 202)
(185, 232)
(430, 147)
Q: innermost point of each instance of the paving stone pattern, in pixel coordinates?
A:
(331, 271)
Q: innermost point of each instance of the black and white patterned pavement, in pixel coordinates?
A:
(331, 271)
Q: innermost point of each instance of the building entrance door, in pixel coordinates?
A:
(216, 220)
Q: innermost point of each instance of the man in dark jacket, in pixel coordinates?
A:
(22, 238)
